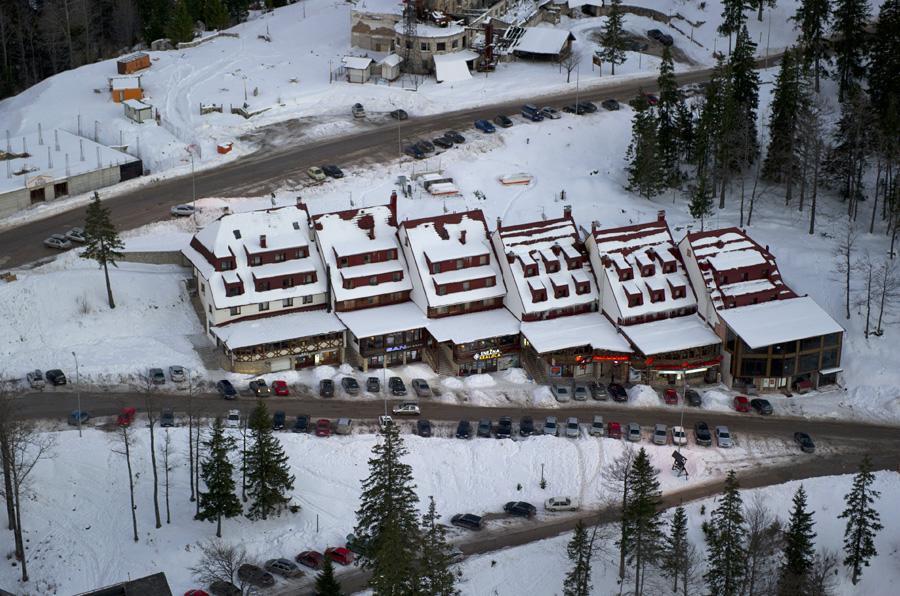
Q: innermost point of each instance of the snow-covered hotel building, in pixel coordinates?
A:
(773, 339)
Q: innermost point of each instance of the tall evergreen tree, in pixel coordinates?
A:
(851, 147)
(674, 555)
(645, 172)
(851, 17)
(733, 17)
(154, 18)
(580, 551)
(435, 558)
(237, 9)
(744, 92)
(386, 518)
(215, 15)
(642, 518)
(612, 36)
(220, 499)
(780, 164)
(812, 18)
(701, 199)
(759, 5)
(799, 549)
(726, 537)
(269, 478)
(863, 521)
(101, 241)
(707, 131)
(180, 27)
(326, 583)
(668, 127)
(884, 84)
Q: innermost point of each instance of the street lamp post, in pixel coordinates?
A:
(78, 391)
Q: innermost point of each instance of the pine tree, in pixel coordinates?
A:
(851, 17)
(220, 499)
(101, 241)
(780, 164)
(154, 18)
(674, 557)
(215, 15)
(237, 9)
(435, 558)
(852, 146)
(726, 537)
(759, 5)
(799, 550)
(645, 173)
(643, 526)
(269, 478)
(733, 18)
(706, 134)
(612, 36)
(580, 551)
(884, 84)
(701, 201)
(863, 521)
(180, 27)
(812, 19)
(326, 583)
(668, 128)
(744, 93)
(386, 518)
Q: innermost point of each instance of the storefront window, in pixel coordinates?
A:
(788, 347)
(810, 343)
(829, 358)
(753, 367)
(808, 363)
(832, 339)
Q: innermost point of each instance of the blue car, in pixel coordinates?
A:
(78, 417)
(485, 126)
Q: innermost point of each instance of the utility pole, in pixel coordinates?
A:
(78, 392)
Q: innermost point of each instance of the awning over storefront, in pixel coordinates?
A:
(269, 330)
(371, 322)
(671, 335)
(591, 329)
(452, 68)
(462, 329)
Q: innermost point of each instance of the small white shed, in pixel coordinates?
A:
(390, 66)
(357, 68)
(137, 110)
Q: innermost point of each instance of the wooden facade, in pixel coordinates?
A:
(788, 365)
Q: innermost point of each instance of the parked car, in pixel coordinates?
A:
(526, 426)
(177, 373)
(670, 396)
(355, 545)
(196, 592)
(550, 426)
(340, 555)
(55, 377)
(167, 418)
(260, 388)
(350, 386)
(301, 424)
(741, 403)
(278, 420)
(332, 171)
(761, 406)
(373, 385)
(551, 113)
(414, 151)
(660, 434)
(679, 437)
(455, 137)
(233, 420)
(805, 442)
(504, 428)
(157, 376)
(598, 391)
(78, 417)
(469, 521)
(634, 432)
(326, 388)
(358, 110)
(576, 109)
(183, 210)
(610, 105)
(561, 504)
(58, 242)
(614, 430)
(464, 430)
(311, 558)
(692, 398)
(76, 235)
(280, 388)
(520, 509)
(503, 121)
(561, 392)
(532, 112)
(323, 427)
(283, 567)
(420, 388)
(407, 408)
(256, 576)
(398, 389)
(344, 426)
(723, 437)
(442, 142)
(702, 436)
(580, 392)
(572, 430)
(223, 588)
(617, 392)
(651, 99)
(484, 428)
(425, 146)
(485, 126)
(596, 429)
(226, 389)
(384, 422)
(423, 427)
(399, 114)
(35, 379)
(587, 106)
(663, 38)
(316, 173)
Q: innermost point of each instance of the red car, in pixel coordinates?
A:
(339, 555)
(614, 430)
(126, 417)
(196, 593)
(671, 397)
(310, 558)
(280, 388)
(323, 427)
(741, 403)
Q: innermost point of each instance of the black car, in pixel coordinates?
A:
(520, 508)
(167, 418)
(610, 105)
(278, 419)
(617, 392)
(503, 121)
(469, 521)
(399, 115)
(575, 109)
(397, 387)
(587, 106)
(423, 427)
(663, 38)
(326, 388)
(805, 442)
(226, 389)
(484, 428)
(223, 588)
(761, 406)
(443, 142)
(425, 146)
(350, 386)
(414, 151)
(692, 398)
(455, 137)
(526, 426)
(373, 385)
(256, 576)
(55, 377)
(702, 436)
(301, 425)
(504, 428)
(333, 171)
(464, 430)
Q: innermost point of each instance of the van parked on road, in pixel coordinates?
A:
(532, 112)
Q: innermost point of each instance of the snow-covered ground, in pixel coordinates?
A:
(513, 570)
(78, 524)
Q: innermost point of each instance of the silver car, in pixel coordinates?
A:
(58, 241)
(177, 374)
(597, 427)
(184, 210)
(634, 432)
(581, 392)
(660, 434)
(561, 393)
(550, 426)
(572, 431)
(76, 235)
(551, 113)
(723, 437)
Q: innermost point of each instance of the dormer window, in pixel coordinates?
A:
(256, 261)
(582, 287)
(635, 300)
(668, 267)
(226, 264)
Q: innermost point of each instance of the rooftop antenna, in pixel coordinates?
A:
(98, 156)
(40, 134)
(79, 125)
(410, 22)
(24, 146)
(81, 147)
(8, 171)
(49, 158)
(56, 139)
(8, 145)
(67, 165)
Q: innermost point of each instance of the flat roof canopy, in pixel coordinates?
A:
(254, 332)
(591, 329)
(671, 335)
(393, 318)
(461, 329)
(760, 325)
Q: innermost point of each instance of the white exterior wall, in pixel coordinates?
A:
(511, 300)
(20, 198)
(608, 303)
(418, 291)
(695, 276)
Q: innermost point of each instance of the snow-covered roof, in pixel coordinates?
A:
(136, 104)
(42, 158)
(391, 60)
(779, 321)
(237, 235)
(542, 40)
(379, 6)
(461, 329)
(119, 83)
(578, 330)
(452, 67)
(254, 332)
(431, 30)
(671, 335)
(393, 318)
(356, 62)
(578, 3)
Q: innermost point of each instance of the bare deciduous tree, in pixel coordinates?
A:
(570, 62)
(220, 562)
(822, 577)
(846, 262)
(122, 446)
(148, 389)
(763, 542)
(616, 477)
(887, 288)
(166, 452)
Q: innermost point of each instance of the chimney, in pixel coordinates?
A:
(299, 201)
(262, 240)
(567, 211)
(499, 223)
(661, 215)
(462, 237)
(371, 233)
(393, 208)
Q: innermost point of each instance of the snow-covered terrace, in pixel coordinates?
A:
(381, 320)
(462, 329)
